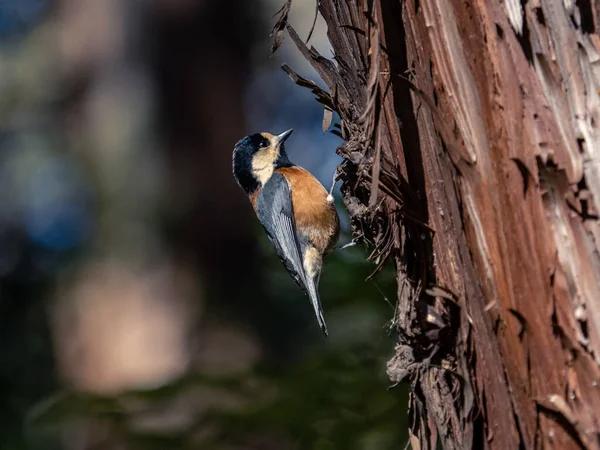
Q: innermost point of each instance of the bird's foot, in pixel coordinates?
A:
(330, 198)
(352, 243)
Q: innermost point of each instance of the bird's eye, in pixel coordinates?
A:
(264, 143)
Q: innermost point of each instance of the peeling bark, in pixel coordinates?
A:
(471, 158)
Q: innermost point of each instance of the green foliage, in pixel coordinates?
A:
(328, 401)
(332, 395)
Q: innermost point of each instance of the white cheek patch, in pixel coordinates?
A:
(262, 165)
(264, 160)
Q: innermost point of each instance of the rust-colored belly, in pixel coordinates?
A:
(315, 217)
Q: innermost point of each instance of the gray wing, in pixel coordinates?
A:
(276, 213)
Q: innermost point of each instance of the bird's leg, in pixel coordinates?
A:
(352, 243)
(330, 198)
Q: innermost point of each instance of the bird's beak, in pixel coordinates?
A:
(283, 136)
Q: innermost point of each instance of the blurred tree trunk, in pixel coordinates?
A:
(131, 314)
(201, 69)
(471, 160)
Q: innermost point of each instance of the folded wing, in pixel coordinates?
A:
(275, 211)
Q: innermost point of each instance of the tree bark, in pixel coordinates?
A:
(471, 160)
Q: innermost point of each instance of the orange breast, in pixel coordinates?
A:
(315, 218)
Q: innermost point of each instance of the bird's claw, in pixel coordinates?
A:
(330, 198)
(352, 243)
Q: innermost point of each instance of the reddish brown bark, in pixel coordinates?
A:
(471, 159)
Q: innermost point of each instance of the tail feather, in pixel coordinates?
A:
(313, 294)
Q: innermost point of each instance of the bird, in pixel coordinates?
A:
(294, 208)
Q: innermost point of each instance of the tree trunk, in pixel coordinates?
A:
(471, 160)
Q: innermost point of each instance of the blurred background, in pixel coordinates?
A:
(141, 305)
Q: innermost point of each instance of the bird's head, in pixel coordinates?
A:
(256, 156)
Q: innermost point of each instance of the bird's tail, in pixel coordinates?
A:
(313, 294)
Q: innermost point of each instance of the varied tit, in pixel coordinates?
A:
(293, 207)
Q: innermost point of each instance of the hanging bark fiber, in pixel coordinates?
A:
(471, 159)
